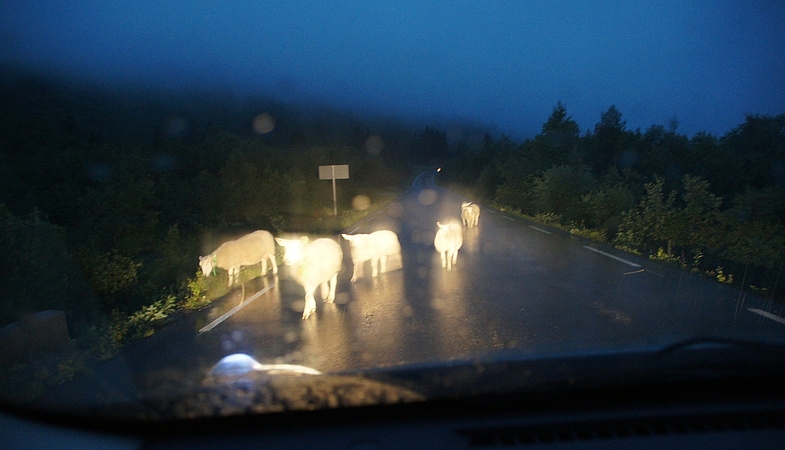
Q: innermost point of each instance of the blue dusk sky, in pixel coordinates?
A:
(504, 64)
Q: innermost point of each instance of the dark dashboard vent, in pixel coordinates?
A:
(620, 429)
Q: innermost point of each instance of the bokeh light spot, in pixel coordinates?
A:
(427, 196)
(177, 127)
(297, 305)
(98, 171)
(395, 210)
(263, 123)
(164, 162)
(361, 202)
(374, 144)
(341, 298)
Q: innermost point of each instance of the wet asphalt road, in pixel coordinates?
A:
(516, 285)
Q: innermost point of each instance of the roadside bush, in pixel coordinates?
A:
(38, 271)
(143, 322)
(197, 293)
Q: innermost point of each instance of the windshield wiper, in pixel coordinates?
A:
(715, 342)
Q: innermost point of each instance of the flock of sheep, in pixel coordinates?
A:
(317, 263)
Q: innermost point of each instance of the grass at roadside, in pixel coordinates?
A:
(200, 291)
(105, 338)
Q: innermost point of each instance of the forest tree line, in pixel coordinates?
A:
(105, 204)
(715, 205)
(100, 218)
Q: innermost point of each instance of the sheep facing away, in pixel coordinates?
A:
(448, 240)
(470, 214)
(248, 250)
(376, 247)
(312, 264)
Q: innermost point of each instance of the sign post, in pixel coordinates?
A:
(333, 172)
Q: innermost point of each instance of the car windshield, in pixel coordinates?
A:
(315, 198)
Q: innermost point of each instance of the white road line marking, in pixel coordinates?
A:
(767, 315)
(611, 256)
(352, 232)
(508, 218)
(370, 219)
(540, 229)
(231, 312)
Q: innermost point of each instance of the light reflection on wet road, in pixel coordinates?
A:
(515, 286)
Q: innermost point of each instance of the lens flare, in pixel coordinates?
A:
(177, 127)
(263, 123)
(361, 202)
(374, 144)
(427, 196)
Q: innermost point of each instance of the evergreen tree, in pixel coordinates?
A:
(608, 142)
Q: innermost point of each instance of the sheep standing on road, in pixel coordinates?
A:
(448, 241)
(470, 214)
(313, 264)
(249, 250)
(376, 247)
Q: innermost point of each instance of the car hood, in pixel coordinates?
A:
(240, 386)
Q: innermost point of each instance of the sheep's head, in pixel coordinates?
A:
(207, 263)
(293, 249)
(356, 240)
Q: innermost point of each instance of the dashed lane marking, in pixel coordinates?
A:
(630, 263)
(231, 312)
(540, 229)
(767, 315)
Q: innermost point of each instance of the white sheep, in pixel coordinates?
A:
(470, 214)
(249, 250)
(448, 241)
(313, 264)
(376, 247)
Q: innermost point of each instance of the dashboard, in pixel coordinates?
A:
(718, 414)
